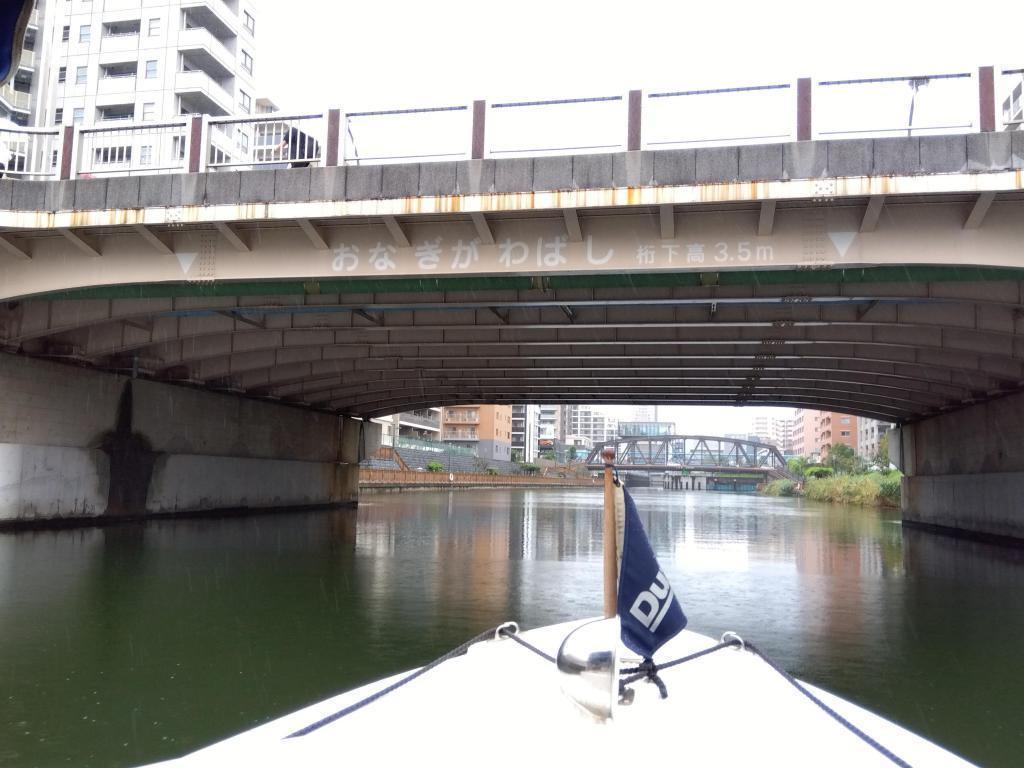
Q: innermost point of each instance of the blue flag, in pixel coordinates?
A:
(648, 610)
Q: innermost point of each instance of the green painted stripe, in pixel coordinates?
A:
(908, 274)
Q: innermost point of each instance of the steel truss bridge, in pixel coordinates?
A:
(692, 452)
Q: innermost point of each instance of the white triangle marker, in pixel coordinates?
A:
(186, 260)
(842, 241)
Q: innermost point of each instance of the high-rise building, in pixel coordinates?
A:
(549, 422)
(105, 61)
(487, 429)
(869, 435)
(525, 431)
(16, 97)
(775, 430)
(592, 423)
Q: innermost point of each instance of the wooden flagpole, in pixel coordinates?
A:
(611, 586)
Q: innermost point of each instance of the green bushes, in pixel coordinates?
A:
(780, 488)
(889, 489)
(843, 489)
(870, 489)
(435, 466)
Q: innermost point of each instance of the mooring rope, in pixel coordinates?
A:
(646, 670)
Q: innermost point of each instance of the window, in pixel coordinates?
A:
(844, 433)
(78, 116)
(245, 101)
(62, 75)
(84, 33)
(81, 75)
(151, 68)
(243, 142)
(58, 116)
(146, 154)
(247, 62)
(122, 154)
(65, 34)
(250, 22)
(154, 27)
(149, 110)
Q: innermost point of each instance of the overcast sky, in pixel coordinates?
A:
(315, 54)
(363, 55)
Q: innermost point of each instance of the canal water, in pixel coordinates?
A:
(130, 644)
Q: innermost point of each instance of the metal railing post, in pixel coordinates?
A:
(195, 144)
(479, 120)
(67, 152)
(333, 136)
(634, 128)
(804, 123)
(986, 99)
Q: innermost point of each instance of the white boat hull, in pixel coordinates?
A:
(500, 705)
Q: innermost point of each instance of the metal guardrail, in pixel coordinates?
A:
(32, 153)
(131, 149)
(920, 104)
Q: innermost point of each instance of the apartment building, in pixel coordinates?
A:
(17, 96)
(525, 432)
(487, 429)
(775, 430)
(589, 422)
(127, 60)
(833, 428)
(549, 422)
(869, 435)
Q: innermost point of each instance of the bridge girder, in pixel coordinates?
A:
(897, 345)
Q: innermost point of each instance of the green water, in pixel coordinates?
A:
(125, 645)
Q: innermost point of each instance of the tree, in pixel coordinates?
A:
(843, 459)
(572, 453)
(797, 465)
(881, 457)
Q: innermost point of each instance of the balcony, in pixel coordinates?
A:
(207, 53)
(16, 100)
(118, 86)
(203, 92)
(119, 42)
(210, 14)
(420, 420)
(460, 434)
(461, 417)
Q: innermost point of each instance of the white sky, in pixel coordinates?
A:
(374, 54)
(314, 54)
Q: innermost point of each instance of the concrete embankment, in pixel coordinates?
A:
(387, 479)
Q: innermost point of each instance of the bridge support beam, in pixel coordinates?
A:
(964, 471)
(78, 445)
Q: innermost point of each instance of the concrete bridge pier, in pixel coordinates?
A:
(79, 444)
(964, 470)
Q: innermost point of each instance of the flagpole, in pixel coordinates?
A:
(610, 555)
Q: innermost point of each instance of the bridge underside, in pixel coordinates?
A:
(896, 344)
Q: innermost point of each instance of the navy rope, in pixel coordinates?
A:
(384, 691)
(827, 709)
(646, 670)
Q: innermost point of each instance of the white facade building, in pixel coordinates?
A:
(525, 432)
(592, 423)
(103, 61)
(869, 434)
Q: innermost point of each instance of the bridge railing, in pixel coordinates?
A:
(800, 110)
(128, 149)
(265, 140)
(33, 153)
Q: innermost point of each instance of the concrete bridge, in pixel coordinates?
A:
(878, 276)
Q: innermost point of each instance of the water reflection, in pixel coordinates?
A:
(134, 643)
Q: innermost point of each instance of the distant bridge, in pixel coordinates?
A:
(701, 453)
